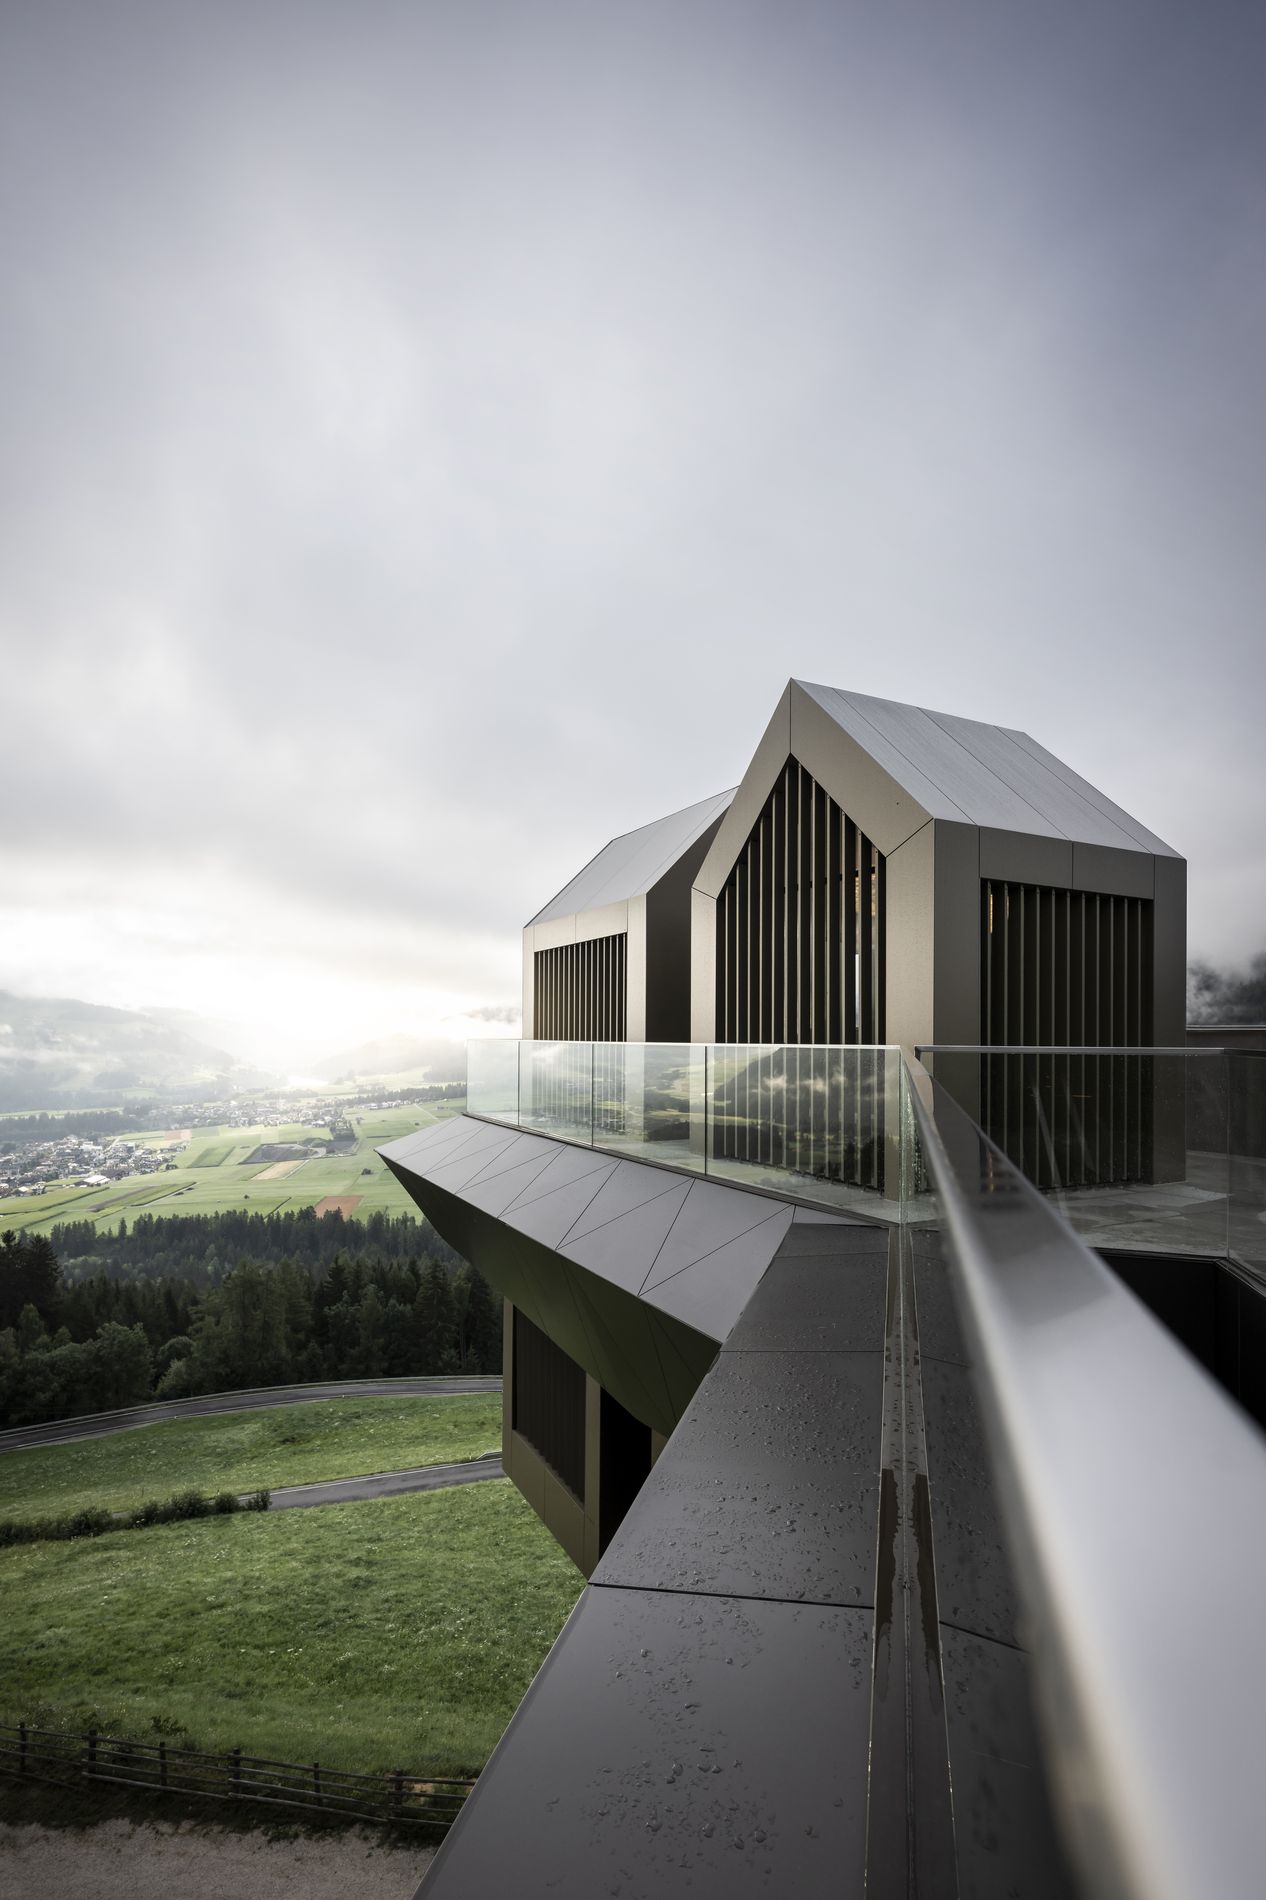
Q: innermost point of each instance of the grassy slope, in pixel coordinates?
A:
(241, 1451)
(213, 1174)
(396, 1633)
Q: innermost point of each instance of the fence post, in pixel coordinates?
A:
(235, 1773)
(316, 1784)
(92, 1752)
(162, 1764)
(21, 1748)
(397, 1794)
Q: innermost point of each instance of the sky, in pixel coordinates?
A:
(432, 434)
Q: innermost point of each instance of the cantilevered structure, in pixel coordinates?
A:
(829, 1403)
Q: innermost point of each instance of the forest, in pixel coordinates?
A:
(381, 1299)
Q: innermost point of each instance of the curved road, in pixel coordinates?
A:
(64, 1431)
(387, 1484)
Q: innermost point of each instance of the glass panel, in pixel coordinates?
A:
(648, 1100)
(829, 1116)
(1131, 1143)
(492, 1080)
(1247, 1158)
(556, 1089)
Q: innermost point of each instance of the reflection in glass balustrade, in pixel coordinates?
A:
(492, 1079)
(648, 1100)
(827, 1114)
(748, 1114)
(1246, 1157)
(556, 1089)
(1157, 1149)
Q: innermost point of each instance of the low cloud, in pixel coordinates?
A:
(1227, 996)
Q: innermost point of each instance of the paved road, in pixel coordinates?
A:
(386, 1484)
(64, 1430)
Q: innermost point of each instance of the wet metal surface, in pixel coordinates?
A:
(768, 1487)
(675, 1744)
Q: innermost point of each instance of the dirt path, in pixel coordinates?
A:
(116, 1860)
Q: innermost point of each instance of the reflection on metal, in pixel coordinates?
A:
(800, 925)
(1125, 1476)
(1064, 968)
(580, 990)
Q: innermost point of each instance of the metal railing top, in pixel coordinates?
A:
(922, 1049)
(1136, 1500)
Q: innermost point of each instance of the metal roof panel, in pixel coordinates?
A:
(963, 769)
(635, 862)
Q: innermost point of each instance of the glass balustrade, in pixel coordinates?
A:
(1144, 1150)
(1148, 1150)
(751, 1114)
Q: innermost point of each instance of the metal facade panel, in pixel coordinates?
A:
(1169, 951)
(605, 920)
(711, 1294)
(548, 936)
(1115, 873)
(703, 949)
(634, 1027)
(911, 938)
(1015, 857)
(644, 1239)
(956, 938)
(767, 762)
(631, 864)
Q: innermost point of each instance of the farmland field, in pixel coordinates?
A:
(246, 1451)
(213, 1173)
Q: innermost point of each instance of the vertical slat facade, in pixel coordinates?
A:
(800, 961)
(800, 939)
(1067, 969)
(579, 991)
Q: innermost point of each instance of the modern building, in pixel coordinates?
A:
(788, 1056)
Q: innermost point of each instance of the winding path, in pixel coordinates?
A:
(386, 1484)
(64, 1431)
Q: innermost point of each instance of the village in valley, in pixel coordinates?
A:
(266, 1136)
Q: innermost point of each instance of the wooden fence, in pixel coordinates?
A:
(396, 1797)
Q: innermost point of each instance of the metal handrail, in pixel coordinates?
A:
(922, 1049)
(1134, 1495)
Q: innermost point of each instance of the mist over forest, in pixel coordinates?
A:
(1227, 996)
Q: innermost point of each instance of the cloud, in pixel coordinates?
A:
(433, 436)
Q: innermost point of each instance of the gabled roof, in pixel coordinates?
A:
(963, 770)
(631, 864)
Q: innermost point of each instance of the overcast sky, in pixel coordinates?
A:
(433, 432)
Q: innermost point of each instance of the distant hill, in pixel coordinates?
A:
(441, 1059)
(58, 1052)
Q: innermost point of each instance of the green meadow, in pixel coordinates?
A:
(248, 1451)
(395, 1633)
